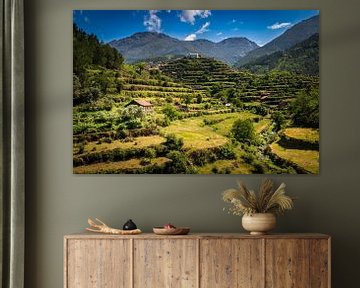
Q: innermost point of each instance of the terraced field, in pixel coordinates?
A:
(197, 138)
(132, 166)
(300, 148)
(306, 161)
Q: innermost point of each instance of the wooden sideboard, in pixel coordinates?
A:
(197, 260)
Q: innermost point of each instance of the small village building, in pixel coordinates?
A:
(228, 105)
(194, 55)
(143, 104)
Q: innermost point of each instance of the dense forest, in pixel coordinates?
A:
(194, 115)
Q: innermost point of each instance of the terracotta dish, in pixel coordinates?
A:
(171, 231)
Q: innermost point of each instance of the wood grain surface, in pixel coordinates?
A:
(98, 263)
(231, 263)
(197, 261)
(165, 263)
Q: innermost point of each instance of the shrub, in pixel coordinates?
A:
(248, 158)
(145, 161)
(279, 120)
(106, 140)
(226, 152)
(150, 153)
(243, 130)
(260, 110)
(179, 163)
(201, 157)
(215, 170)
(171, 112)
(173, 142)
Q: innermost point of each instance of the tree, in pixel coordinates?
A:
(243, 130)
(88, 50)
(216, 88)
(305, 108)
(171, 112)
(87, 94)
(187, 99)
(132, 116)
(179, 163)
(279, 120)
(199, 98)
(173, 142)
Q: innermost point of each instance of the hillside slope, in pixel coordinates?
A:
(303, 58)
(289, 38)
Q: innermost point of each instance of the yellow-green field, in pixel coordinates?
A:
(236, 167)
(262, 125)
(307, 159)
(305, 134)
(138, 142)
(195, 134)
(117, 166)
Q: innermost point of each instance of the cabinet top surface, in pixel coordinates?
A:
(86, 235)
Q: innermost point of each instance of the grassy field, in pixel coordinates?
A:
(138, 142)
(222, 166)
(195, 134)
(307, 159)
(117, 167)
(306, 134)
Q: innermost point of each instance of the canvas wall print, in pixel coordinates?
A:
(196, 92)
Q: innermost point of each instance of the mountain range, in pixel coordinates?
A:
(237, 51)
(147, 45)
(294, 35)
(302, 58)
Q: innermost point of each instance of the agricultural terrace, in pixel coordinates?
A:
(198, 107)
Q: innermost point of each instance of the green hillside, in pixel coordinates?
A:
(273, 90)
(294, 35)
(302, 58)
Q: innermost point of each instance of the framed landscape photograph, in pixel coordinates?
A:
(196, 91)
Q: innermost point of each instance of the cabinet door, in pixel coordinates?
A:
(98, 263)
(287, 263)
(166, 263)
(320, 263)
(231, 263)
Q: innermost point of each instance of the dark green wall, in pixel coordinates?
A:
(59, 202)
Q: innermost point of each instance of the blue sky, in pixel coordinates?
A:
(260, 26)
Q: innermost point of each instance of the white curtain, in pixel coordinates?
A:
(12, 147)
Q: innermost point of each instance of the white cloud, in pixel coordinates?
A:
(190, 37)
(219, 33)
(152, 22)
(278, 25)
(233, 21)
(203, 29)
(189, 16)
(86, 19)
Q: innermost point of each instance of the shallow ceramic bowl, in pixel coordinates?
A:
(171, 231)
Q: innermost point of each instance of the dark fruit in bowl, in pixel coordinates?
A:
(129, 225)
(169, 226)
